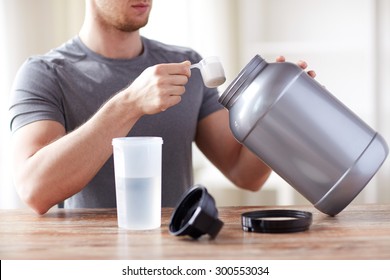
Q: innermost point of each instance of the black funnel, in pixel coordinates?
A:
(196, 215)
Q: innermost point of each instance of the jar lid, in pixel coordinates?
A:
(276, 221)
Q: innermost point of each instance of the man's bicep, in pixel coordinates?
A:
(29, 139)
(216, 141)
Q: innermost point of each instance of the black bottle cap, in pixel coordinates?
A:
(276, 221)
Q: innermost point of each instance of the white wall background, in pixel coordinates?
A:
(346, 42)
(27, 27)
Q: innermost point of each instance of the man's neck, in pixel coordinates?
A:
(111, 43)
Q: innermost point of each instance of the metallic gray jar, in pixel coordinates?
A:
(300, 130)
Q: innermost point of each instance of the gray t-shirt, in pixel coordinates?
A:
(70, 83)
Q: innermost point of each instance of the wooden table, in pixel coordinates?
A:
(359, 232)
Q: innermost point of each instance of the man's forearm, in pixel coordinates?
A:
(59, 169)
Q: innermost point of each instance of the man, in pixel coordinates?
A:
(109, 82)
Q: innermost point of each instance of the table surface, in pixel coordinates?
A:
(359, 232)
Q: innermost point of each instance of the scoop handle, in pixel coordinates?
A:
(196, 65)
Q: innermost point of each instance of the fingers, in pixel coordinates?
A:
(173, 78)
(312, 73)
(182, 68)
(172, 74)
(176, 80)
(301, 63)
(159, 87)
(280, 58)
(169, 102)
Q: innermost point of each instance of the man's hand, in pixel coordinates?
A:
(300, 63)
(159, 87)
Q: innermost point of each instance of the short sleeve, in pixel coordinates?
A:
(35, 95)
(210, 103)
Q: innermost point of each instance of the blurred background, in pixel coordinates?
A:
(346, 42)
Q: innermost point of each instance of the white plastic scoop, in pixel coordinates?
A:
(211, 70)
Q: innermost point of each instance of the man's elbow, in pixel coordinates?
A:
(252, 184)
(32, 198)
